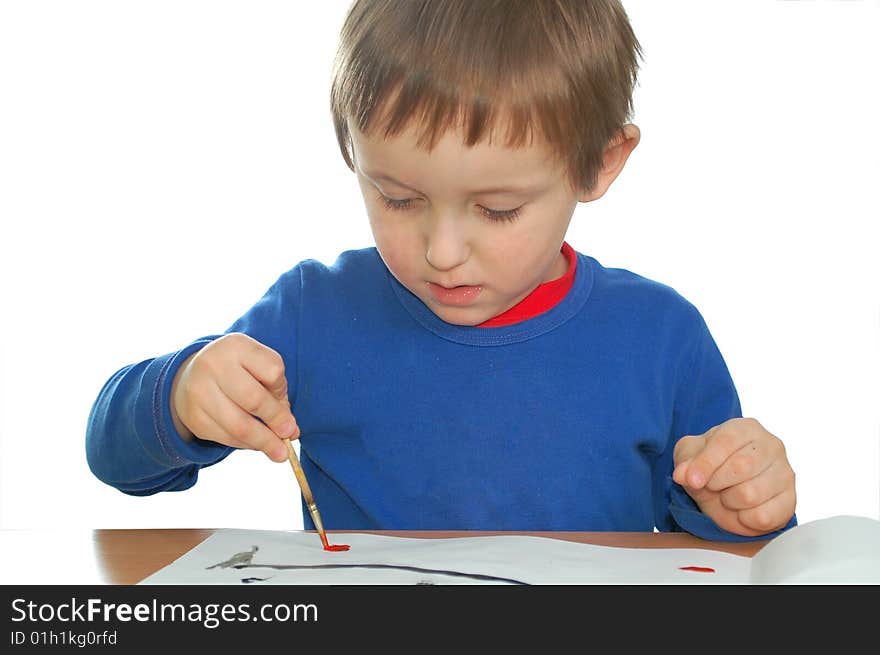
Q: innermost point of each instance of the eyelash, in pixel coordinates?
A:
(505, 215)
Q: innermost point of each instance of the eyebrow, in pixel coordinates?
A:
(486, 191)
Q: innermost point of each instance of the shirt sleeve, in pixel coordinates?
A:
(706, 396)
(131, 441)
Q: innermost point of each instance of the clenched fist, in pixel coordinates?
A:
(739, 475)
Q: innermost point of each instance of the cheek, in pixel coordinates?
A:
(516, 250)
(383, 232)
(399, 247)
(517, 260)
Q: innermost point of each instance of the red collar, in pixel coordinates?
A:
(544, 297)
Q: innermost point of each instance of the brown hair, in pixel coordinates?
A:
(564, 69)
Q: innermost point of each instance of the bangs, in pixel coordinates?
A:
(481, 110)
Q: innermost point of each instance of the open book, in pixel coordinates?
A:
(836, 550)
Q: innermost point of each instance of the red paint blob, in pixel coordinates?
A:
(332, 549)
(699, 569)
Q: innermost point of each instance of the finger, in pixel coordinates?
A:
(679, 473)
(248, 430)
(209, 429)
(251, 396)
(267, 366)
(686, 449)
(772, 515)
(756, 491)
(746, 463)
(721, 443)
(710, 504)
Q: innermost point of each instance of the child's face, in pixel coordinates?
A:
(471, 231)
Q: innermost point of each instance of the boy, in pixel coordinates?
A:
(472, 371)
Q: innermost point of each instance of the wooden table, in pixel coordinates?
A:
(127, 556)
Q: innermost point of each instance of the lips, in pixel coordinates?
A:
(458, 296)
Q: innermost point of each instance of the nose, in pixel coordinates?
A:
(447, 243)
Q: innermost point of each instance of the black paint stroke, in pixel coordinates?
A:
(417, 569)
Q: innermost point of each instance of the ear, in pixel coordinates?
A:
(616, 153)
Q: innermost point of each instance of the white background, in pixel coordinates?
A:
(161, 163)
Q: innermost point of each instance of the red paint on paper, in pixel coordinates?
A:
(698, 569)
(333, 548)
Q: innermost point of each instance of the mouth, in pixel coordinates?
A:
(458, 296)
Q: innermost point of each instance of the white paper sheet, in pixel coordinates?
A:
(233, 557)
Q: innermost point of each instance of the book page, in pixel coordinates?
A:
(836, 550)
(233, 556)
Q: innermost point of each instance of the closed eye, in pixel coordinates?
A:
(396, 205)
(500, 215)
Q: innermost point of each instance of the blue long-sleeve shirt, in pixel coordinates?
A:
(565, 421)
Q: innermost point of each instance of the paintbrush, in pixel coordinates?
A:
(307, 495)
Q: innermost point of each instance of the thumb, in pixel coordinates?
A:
(296, 431)
(685, 450)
